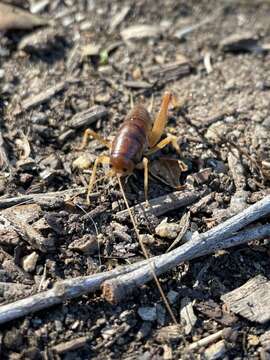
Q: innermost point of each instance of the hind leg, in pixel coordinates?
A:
(160, 121)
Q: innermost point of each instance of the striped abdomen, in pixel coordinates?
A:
(131, 140)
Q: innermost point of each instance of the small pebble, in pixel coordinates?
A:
(147, 313)
(144, 330)
(29, 262)
(13, 339)
(216, 132)
(83, 162)
(147, 239)
(216, 351)
(167, 230)
(88, 244)
(172, 296)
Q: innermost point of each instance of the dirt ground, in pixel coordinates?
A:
(215, 56)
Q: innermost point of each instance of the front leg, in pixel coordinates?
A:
(90, 132)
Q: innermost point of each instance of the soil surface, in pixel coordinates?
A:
(215, 57)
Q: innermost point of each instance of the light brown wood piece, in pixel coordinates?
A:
(251, 300)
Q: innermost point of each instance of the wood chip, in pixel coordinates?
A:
(207, 62)
(70, 345)
(183, 32)
(226, 333)
(140, 32)
(137, 84)
(188, 318)
(4, 162)
(237, 169)
(10, 291)
(44, 40)
(12, 17)
(87, 117)
(163, 204)
(119, 17)
(251, 300)
(19, 219)
(169, 333)
(88, 244)
(41, 98)
(265, 340)
(216, 351)
(168, 72)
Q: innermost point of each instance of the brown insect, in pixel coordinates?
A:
(137, 138)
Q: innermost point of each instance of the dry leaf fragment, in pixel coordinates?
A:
(168, 171)
(12, 17)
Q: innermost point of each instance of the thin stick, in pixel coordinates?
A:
(146, 255)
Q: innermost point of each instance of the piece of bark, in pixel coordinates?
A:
(42, 41)
(251, 300)
(42, 97)
(164, 204)
(216, 351)
(226, 333)
(140, 32)
(4, 162)
(9, 290)
(137, 84)
(8, 234)
(13, 271)
(188, 318)
(19, 219)
(168, 72)
(70, 345)
(12, 17)
(237, 169)
(87, 117)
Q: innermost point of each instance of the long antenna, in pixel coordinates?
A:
(168, 307)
